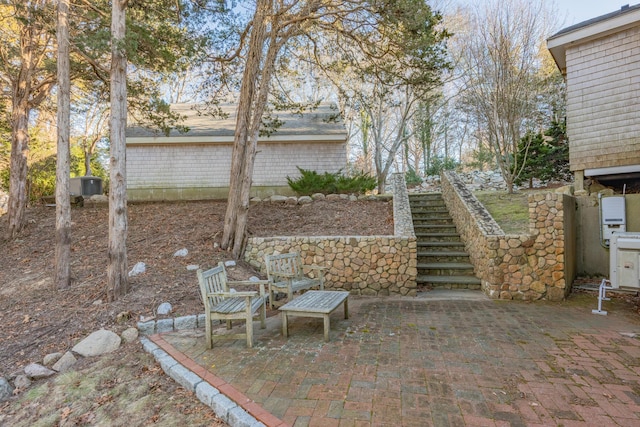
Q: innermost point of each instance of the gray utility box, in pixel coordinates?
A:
(85, 186)
(625, 261)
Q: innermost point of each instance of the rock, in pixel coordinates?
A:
(230, 263)
(97, 343)
(255, 200)
(97, 302)
(333, 197)
(254, 279)
(305, 200)
(99, 199)
(353, 198)
(318, 196)
(192, 267)
(65, 363)
(36, 371)
(21, 382)
(6, 391)
(181, 253)
(277, 199)
(291, 201)
(51, 358)
(139, 268)
(565, 189)
(164, 308)
(123, 316)
(129, 335)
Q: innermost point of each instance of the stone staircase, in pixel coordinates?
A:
(442, 259)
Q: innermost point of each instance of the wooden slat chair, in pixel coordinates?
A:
(222, 304)
(286, 274)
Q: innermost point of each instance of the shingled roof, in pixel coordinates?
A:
(325, 121)
(600, 26)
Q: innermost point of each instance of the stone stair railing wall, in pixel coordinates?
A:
(524, 267)
(362, 265)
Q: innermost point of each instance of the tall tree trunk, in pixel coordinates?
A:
(87, 163)
(18, 196)
(21, 108)
(117, 284)
(63, 207)
(242, 139)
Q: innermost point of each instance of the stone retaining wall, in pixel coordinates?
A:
(524, 267)
(362, 265)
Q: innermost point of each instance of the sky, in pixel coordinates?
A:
(577, 11)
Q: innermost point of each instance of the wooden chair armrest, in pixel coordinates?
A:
(281, 274)
(248, 282)
(233, 294)
(251, 282)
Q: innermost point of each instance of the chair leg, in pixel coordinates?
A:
(263, 316)
(271, 298)
(250, 332)
(207, 331)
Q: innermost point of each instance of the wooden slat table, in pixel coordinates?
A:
(315, 304)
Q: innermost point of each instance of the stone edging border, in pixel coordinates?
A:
(230, 405)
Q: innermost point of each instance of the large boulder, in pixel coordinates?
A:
(98, 343)
(36, 371)
(6, 391)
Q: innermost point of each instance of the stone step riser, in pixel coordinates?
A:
(445, 272)
(427, 206)
(433, 221)
(433, 257)
(441, 247)
(451, 286)
(440, 239)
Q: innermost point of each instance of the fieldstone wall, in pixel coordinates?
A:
(362, 265)
(524, 267)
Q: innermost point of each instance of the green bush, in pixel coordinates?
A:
(311, 182)
(440, 163)
(412, 178)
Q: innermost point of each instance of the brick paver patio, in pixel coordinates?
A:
(430, 361)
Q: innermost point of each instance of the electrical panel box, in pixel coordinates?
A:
(624, 260)
(613, 217)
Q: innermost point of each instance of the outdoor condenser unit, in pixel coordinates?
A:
(85, 185)
(624, 260)
(613, 217)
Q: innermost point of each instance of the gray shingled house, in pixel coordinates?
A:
(600, 59)
(195, 165)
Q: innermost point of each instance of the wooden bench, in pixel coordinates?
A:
(315, 304)
(286, 274)
(221, 303)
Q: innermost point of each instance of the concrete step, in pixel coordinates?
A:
(438, 237)
(445, 269)
(441, 246)
(425, 257)
(449, 282)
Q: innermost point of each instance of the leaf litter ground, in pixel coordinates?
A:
(128, 388)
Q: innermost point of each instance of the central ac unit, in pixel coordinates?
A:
(624, 260)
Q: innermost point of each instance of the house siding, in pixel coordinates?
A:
(603, 112)
(201, 171)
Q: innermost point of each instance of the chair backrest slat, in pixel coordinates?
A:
(289, 263)
(212, 281)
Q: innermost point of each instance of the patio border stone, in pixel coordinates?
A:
(229, 404)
